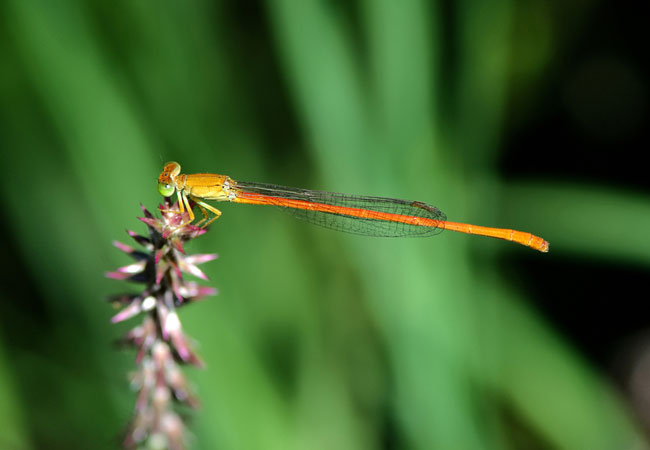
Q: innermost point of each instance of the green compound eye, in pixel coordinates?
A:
(165, 189)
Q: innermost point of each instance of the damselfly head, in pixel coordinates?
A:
(166, 180)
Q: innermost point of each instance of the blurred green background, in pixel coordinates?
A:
(520, 114)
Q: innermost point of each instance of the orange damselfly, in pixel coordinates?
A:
(370, 216)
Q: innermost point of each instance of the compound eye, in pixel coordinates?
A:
(165, 189)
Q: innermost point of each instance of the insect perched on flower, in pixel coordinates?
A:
(358, 214)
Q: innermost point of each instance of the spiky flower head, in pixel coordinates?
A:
(160, 343)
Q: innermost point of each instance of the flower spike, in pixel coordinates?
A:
(161, 345)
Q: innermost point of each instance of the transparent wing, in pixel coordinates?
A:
(357, 214)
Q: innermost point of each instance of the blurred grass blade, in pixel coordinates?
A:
(550, 386)
(13, 432)
(584, 220)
